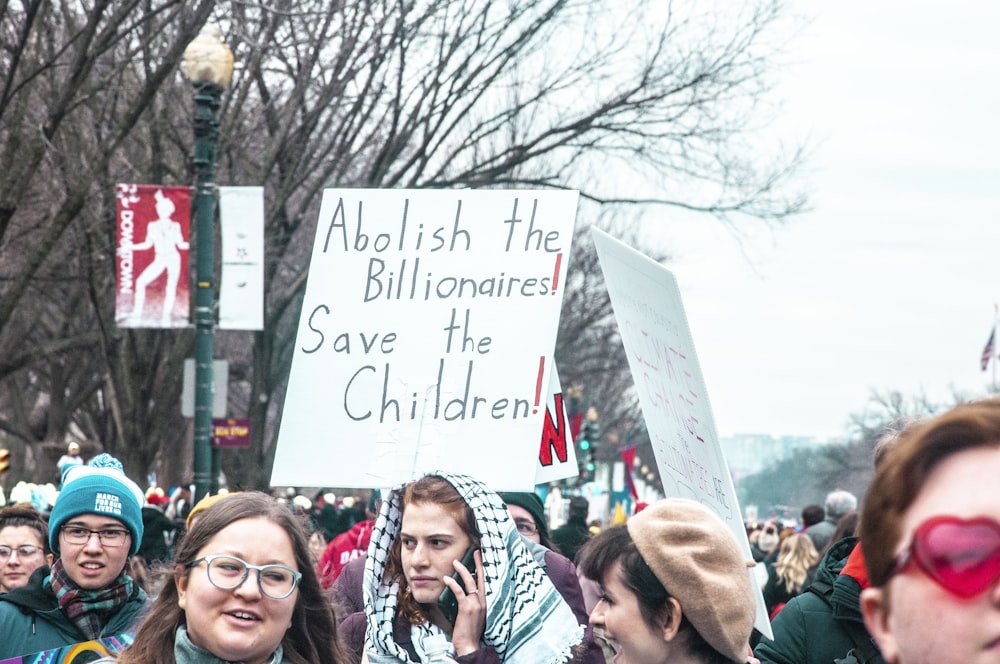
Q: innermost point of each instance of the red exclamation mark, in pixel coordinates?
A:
(538, 382)
(555, 277)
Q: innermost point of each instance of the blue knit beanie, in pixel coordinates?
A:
(101, 487)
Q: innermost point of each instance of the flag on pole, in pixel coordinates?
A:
(628, 456)
(984, 361)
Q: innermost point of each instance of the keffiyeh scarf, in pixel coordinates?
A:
(88, 609)
(527, 620)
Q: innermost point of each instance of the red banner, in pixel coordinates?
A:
(154, 227)
(231, 432)
(628, 457)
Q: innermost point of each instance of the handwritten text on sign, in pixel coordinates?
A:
(667, 377)
(424, 333)
(672, 393)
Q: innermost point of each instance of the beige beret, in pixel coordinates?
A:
(697, 559)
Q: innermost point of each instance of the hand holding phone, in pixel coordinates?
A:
(447, 601)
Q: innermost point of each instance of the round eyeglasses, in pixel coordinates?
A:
(229, 573)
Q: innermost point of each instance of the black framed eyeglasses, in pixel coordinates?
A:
(109, 537)
(229, 573)
(525, 526)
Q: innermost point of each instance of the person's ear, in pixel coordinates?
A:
(875, 609)
(672, 622)
(181, 581)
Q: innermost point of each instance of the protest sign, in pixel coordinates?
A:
(77, 653)
(557, 454)
(671, 389)
(426, 336)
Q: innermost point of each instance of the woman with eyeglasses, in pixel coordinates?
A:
(930, 534)
(87, 594)
(24, 545)
(528, 512)
(243, 590)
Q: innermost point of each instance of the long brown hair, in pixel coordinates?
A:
(313, 635)
(436, 490)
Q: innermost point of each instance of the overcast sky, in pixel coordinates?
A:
(890, 282)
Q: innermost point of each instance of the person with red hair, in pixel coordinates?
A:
(930, 533)
(499, 606)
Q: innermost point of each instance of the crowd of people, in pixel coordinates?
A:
(443, 563)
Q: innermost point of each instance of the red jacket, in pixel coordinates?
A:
(342, 549)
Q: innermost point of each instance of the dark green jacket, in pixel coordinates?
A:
(31, 621)
(812, 630)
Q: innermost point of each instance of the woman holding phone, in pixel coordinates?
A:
(505, 607)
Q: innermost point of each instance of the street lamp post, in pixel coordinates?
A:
(209, 64)
(592, 436)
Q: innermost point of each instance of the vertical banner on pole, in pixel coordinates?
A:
(241, 288)
(153, 230)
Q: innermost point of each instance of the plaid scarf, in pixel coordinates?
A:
(88, 609)
(527, 620)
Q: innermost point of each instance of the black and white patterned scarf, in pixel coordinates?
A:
(527, 620)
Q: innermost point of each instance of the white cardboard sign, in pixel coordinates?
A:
(557, 454)
(426, 336)
(671, 389)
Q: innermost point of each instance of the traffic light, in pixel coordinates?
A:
(587, 449)
(4, 460)
(593, 437)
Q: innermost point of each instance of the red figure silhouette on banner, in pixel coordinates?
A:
(153, 273)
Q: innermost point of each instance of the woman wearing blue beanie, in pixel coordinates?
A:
(95, 524)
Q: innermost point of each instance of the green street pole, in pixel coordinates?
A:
(207, 98)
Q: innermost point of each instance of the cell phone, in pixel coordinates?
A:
(447, 601)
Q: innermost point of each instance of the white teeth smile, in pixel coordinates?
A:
(244, 616)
